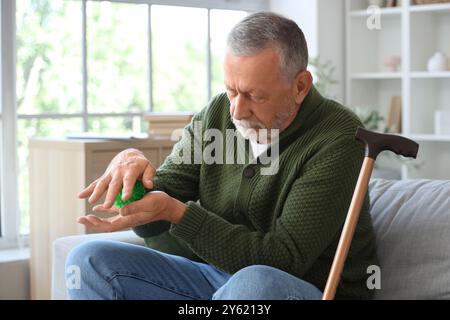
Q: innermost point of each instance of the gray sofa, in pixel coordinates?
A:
(412, 225)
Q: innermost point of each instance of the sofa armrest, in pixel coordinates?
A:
(62, 247)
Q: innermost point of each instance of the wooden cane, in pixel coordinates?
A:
(375, 143)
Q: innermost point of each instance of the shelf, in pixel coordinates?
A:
(430, 75)
(414, 32)
(383, 11)
(376, 75)
(437, 7)
(418, 8)
(398, 75)
(430, 137)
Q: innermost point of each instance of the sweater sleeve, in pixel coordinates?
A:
(178, 176)
(311, 219)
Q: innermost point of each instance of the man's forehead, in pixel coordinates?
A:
(267, 54)
(245, 87)
(251, 70)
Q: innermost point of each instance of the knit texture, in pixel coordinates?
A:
(291, 220)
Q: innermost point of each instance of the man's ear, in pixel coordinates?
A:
(302, 85)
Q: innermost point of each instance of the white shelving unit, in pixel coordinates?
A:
(413, 32)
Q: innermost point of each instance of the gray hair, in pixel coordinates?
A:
(263, 30)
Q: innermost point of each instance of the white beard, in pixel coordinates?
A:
(249, 130)
(256, 131)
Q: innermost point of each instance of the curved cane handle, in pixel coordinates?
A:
(378, 142)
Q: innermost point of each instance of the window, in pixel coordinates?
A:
(89, 65)
(221, 23)
(180, 71)
(117, 57)
(49, 78)
(8, 174)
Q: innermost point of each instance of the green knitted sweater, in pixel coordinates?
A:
(292, 220)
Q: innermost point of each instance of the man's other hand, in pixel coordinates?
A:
(154, 206)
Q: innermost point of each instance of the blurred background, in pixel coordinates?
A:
(112, 67)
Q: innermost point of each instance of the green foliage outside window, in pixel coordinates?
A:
(50, 69)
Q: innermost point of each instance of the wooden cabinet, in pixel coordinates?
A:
(59, 170)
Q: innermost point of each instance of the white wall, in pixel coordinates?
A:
(304, 13)
(323, 23)
(331, 35)
(14, 275)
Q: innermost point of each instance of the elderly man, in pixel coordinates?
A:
(226, 230)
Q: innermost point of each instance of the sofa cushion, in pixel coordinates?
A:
(412, 226)
(62, 247)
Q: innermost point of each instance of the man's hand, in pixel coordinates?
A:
(126, 167)
(154, 206)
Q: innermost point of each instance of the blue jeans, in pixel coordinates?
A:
(115, 270)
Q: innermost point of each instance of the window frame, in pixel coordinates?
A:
(9, 212)
(9, 199)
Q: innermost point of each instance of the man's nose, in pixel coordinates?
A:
(240, 109)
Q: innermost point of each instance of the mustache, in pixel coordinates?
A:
(248, 124)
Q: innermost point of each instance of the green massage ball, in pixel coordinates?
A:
(138, 192)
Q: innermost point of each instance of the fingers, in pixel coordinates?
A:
(106, 224)
(99, 224)
(113, 190)
(115, 223)
(130, 208)
(101, 208)
(87, 191)
(148, 175)
(143, 205)
(128, 184)
(90, 223)
(149, 204)
(130, 168)
(100, 188)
